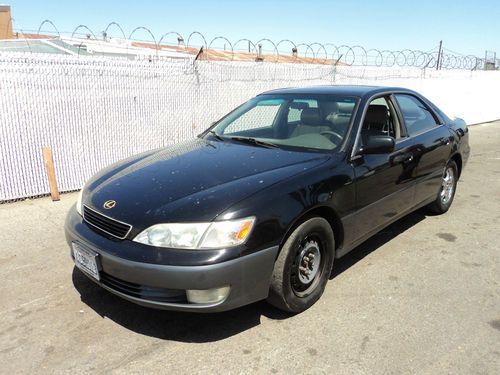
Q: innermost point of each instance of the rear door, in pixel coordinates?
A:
(432, 144)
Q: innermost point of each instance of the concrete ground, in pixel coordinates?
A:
(421, 297)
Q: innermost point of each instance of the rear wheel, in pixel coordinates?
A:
(446, 194)
(303, 266)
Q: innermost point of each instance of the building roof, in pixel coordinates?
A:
(36, 43)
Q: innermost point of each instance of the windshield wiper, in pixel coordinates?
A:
(255, 142)
(215, 135)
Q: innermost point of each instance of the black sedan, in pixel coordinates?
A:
(260, 204)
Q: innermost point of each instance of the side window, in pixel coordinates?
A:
(417, 116)
(260, 116)
(380, 120)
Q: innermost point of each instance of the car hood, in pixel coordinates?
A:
(191, 181)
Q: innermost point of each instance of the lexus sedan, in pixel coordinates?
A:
(260, 204)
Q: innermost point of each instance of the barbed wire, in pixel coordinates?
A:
(50, 23)
(267, 49)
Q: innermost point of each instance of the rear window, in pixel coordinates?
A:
(418, 117)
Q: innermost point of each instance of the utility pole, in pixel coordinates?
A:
(440, 52)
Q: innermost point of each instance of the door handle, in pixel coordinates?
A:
(403, 158)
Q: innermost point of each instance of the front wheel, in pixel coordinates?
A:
(446, 193)
(303, 266)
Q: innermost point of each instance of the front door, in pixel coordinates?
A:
(385, 183)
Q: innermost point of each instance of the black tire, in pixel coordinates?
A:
(444, 200)
(288, 291)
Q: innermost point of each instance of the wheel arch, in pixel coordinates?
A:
(327, 213)
(457, 158)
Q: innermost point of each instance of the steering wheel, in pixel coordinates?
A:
(329, 133)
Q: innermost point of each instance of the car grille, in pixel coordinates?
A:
(106, 224)
(142, 291)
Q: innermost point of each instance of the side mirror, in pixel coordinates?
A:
(378, 144)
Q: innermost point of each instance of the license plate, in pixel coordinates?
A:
(86, 260)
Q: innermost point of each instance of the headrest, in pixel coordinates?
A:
(310, 116)
(299, 105)
(346, 108)
(329, 108)
(376, 114)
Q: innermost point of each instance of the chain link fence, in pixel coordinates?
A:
(95, 111)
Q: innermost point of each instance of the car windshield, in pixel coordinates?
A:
(309, 122)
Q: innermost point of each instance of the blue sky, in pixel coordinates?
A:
(468, 27)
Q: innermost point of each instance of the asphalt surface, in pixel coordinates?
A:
(421, 297)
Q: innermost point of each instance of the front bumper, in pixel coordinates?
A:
(248, 276)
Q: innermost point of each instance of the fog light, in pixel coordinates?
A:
(208, 295)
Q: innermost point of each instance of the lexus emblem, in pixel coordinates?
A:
(109, 204)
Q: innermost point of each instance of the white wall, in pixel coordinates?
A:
(474, 96)
(471, 95)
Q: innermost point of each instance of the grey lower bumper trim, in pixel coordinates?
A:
(248, 276)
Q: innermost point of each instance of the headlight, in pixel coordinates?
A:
(173, 235)
(197, 235)
(227, 233)
(79, 207)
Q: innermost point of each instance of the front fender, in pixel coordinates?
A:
(281, 206)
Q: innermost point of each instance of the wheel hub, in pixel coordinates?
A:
(308, 261)
(448, 185)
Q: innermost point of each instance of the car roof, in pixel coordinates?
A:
(346, 90)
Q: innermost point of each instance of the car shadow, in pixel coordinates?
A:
(171, 325)
(199, 328)
(379, 239)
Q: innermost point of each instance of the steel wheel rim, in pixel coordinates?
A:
(307, 266)
(447, 185)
